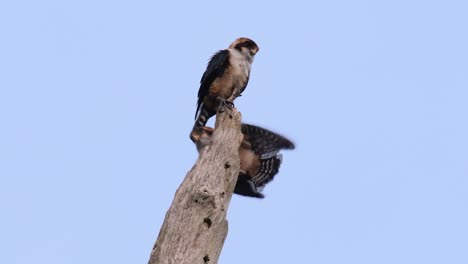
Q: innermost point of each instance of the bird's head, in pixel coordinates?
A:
(246, 46)
(201, 136)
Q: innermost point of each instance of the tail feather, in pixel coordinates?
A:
(199, 104)
(203, 115)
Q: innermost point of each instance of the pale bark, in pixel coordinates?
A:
(195, 225)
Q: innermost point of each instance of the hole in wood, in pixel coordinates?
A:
(230, 116)
(227, 165)
(206, 259)
(204, 196)
(207, 221)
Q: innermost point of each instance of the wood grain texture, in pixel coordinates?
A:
(195, 225)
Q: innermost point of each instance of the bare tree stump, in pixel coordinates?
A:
(195, 225)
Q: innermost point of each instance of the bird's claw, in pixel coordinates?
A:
(225, 104)
(229, 105)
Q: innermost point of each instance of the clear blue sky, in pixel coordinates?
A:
(97, 99)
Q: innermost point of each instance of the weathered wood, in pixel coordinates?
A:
(195, 225)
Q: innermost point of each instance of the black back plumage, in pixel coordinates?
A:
(216, 67)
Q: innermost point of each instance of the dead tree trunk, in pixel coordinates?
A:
(195, 226)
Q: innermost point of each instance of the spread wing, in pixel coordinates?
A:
(264, 142)
(216, 67)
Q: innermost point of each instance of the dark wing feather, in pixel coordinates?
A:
(268, 169)
(245, 186)
(264, 142)
(216, 67)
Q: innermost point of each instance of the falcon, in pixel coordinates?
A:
(259, 156)
(225, 78)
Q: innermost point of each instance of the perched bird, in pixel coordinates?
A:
(225, 78)
(259, 156)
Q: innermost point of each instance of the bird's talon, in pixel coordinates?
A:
(229, 105)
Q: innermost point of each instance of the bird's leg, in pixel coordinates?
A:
(223, 104)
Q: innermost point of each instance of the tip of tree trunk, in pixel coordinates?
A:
(195, 225)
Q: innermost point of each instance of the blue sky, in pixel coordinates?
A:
(97, 99)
